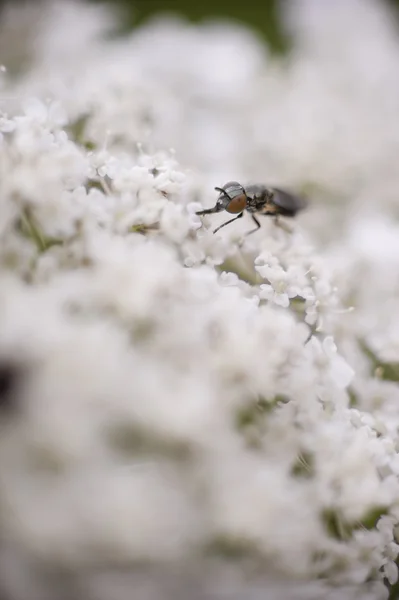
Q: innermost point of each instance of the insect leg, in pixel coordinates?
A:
(227, 222)
(256, 228)
(206, 211)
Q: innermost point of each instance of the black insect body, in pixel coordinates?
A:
(257, 199)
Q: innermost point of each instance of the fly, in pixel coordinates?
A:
(257, 199)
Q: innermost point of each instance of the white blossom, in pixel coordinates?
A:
(171, 399)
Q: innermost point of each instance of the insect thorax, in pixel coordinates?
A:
(257, 197)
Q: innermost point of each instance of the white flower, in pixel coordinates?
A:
(328, 359)
(174, 223)
(195, 220)
(279, 296)
(137, 360)
(284, 283)
(6, 125)
(391, 572)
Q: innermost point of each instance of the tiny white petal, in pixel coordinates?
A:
(391, 572)
(281, 300)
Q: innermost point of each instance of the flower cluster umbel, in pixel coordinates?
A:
(170, 397)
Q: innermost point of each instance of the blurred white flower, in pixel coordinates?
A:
(326, 356)
(154, 410)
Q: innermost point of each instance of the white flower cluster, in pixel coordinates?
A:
(180, 410)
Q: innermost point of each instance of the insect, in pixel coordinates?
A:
(257, 199)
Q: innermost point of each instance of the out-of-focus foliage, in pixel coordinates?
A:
(264, 17)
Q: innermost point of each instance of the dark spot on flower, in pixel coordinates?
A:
(303, 465)
(10, 375)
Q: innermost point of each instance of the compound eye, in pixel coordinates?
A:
(237, 204)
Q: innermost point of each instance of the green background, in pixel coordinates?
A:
(262, 16)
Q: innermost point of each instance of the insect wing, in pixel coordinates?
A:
(288, 203)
